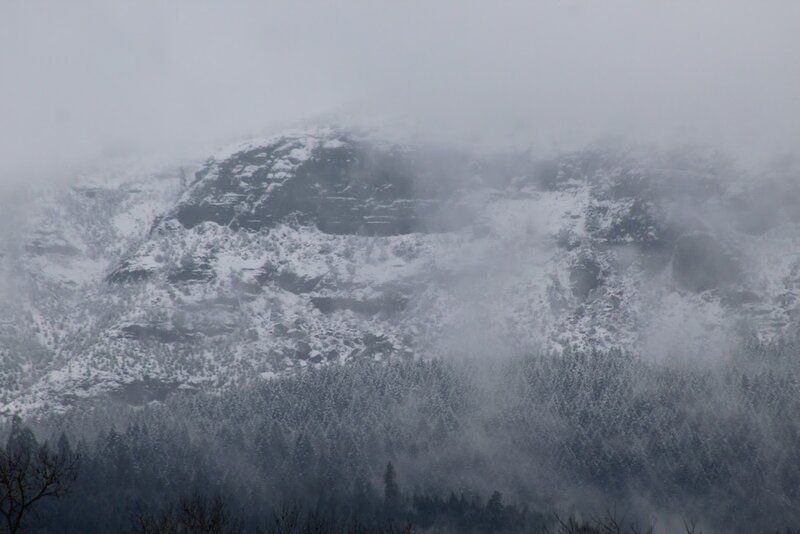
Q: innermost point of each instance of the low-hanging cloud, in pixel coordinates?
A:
(90, 80)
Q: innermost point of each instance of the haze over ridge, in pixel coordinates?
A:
(90, 80)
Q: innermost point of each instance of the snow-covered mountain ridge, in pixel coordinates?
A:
(323, 247)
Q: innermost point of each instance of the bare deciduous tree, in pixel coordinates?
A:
(30, 472)
(195, 515)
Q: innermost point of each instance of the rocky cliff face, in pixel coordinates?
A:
(340, 185)
(323, 247)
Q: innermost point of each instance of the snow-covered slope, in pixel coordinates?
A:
(321, 247)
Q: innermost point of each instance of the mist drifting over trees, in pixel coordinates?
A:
(576, 434)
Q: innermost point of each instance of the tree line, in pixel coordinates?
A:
(569, 435)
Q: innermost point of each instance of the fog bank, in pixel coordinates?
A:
(94, 80)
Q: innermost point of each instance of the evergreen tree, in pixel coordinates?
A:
(391, 491)
(494, 511)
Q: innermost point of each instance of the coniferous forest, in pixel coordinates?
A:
(528, 443)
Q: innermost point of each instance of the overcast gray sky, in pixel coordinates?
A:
(86, 80)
